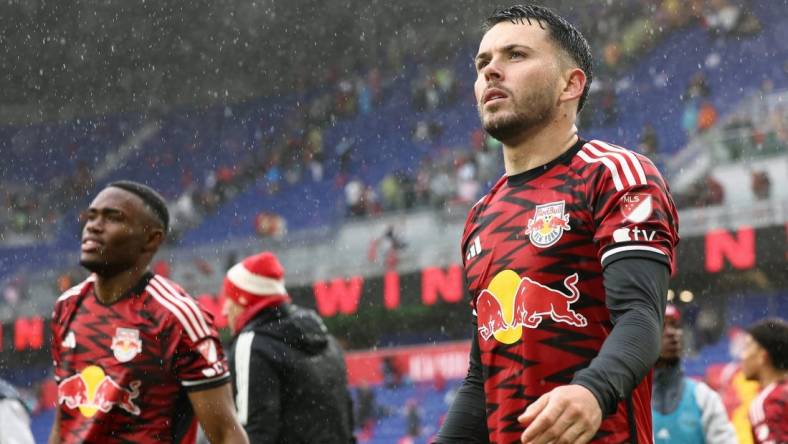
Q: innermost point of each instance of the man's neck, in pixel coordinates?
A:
(771, 375)
(538, 148)
(109, 289)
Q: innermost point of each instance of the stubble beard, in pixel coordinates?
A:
(530, 112)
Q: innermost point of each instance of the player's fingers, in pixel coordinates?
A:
(544, 420)
(533, 410)
(571, 434)
(558, 429)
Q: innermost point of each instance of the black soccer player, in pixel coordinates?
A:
(136, 358)
(567, 258)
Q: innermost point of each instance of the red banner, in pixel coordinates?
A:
(423, 363)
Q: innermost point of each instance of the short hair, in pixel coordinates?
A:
(562, 33)
(772, 335)
(149, 196)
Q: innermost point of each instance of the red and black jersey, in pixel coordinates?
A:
(123, 369)
(534, 249)
(768, 413)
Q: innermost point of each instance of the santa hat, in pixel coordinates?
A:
(258, 276)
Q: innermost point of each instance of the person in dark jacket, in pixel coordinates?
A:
(289, 376)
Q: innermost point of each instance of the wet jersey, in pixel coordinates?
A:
(533, 253)
(123, 369)
(768, 412)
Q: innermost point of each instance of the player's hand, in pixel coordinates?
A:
(566, 414)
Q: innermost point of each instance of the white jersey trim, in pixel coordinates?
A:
(204, 381)
(615, 160)
(617, 250)
(632, 157)
(757, 413)
(190, 303)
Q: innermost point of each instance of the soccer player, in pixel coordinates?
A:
(290, 380)
(567, 258)
(765, 359)
(136, 358)
(685, 410)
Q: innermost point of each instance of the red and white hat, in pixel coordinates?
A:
(258, 276)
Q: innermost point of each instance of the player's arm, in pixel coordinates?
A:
(717, 428)
(636, 289)
(258, 397)
(54, 434)
(214, 409)
(466, 420)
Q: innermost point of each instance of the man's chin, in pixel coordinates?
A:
(100, 267)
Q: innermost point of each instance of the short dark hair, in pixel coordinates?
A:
(563, 34)
(151, 197)
(772, 335)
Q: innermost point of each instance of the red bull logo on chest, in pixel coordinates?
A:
(91, 391)
(510, 303)
(548, 224)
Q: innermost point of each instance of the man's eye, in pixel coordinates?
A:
(516, 55)
(481, 64)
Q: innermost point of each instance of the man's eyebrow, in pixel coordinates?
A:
(508, 48)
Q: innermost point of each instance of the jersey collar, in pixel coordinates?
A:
(529, 175)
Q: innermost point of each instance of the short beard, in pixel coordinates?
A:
(532, 111)
(103, 269)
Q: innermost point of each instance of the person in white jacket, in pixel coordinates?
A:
(684, 410)
(14, 418)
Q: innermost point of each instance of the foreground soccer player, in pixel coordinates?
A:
(567, 258)
(135, 357)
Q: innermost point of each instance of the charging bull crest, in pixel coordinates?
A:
(511, 303)
(548, 224)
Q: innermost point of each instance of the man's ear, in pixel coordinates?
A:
(154, 239)
(574, 84)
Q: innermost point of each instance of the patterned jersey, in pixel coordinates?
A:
(768, 414)
(123, 370)
(533, 251)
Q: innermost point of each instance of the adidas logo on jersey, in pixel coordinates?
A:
(70, 341)
(475, 249)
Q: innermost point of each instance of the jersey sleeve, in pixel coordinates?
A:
(198, 358)
(633, 211)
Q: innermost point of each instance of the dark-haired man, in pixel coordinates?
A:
(765, 359)
(567, 258)
(136, 358)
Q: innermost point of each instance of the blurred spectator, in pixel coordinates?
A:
(367, 410)
(689, 117)
(392, 375)
(649, 142)
(413, 415)
(761, 185)
(354, 198)
(271, 225)
(707, 116)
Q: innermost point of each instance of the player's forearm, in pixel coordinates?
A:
(466, 419)
(635, 290)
